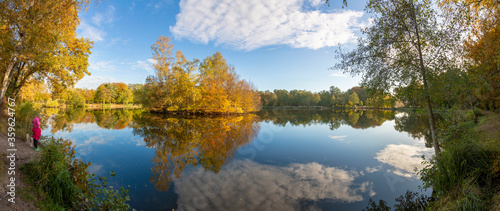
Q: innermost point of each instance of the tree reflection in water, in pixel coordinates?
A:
(65, 119)
(359, 119)
(210, 141)
(182, 142)
(416, 125)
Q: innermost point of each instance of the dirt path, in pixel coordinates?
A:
(23, 154)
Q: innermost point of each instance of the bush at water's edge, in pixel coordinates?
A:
(62, 182)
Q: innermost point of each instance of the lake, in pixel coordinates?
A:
(271, 160)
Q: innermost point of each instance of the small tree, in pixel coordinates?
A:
(353, 99)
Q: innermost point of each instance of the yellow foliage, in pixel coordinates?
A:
(39, 39)
(176, 86)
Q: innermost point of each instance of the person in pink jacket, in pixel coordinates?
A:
(36, 131)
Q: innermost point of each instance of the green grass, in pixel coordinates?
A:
(467, 175)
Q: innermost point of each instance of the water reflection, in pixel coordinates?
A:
(181, 142)
(248, 185)
(300, 168)
(65, 119)
(359, 119)
(404, 158)
(416, 125)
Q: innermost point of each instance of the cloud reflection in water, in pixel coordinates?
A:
(248, 185)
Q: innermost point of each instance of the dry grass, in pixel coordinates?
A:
(489, 127)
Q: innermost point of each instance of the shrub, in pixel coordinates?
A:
(25, 112)
(463, 176)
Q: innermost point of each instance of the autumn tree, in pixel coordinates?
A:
(404, 44)
(222, 90)
(77, 99)
(39, 41)
(138, 93)
(35, 91)
(482, 47)
(410, 95)
(353, 99)
(361, 92)
(88, 94)
(123, 93)
(268, 98)
(173, 87)
(210, 86)
(102, 94)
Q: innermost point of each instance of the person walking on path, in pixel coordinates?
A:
(36, 132)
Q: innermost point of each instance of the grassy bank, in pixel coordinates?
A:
(61, 182)
(468, 175)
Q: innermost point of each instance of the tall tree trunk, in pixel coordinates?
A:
(6, 78)
(426, 87)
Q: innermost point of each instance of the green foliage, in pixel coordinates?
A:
(353, 99)
(77, 99)
(25, 113)
(373, 206)
(63, 183)
(411, 201)
(333, 97)
(463, 175)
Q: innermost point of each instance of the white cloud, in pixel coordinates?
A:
(404, 158)
(104, 66)
(132, 6)
(93, 33)
(145, 65)
(249, 25)
(316, 3)
(92, 82)
(95, 30)
(96, 169)
(373, 169)
(340, 138)
(106, 17)
(338, 75)
(247, 185)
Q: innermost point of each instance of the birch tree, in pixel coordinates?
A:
(405, 44)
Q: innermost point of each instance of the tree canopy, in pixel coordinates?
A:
(209, 86)
(404, 45)
(38, 41)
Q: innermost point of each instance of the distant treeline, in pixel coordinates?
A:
(106, 93)
(356, 96)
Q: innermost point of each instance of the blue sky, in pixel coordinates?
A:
(276, 44)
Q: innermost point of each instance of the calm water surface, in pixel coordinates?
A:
(273, 160)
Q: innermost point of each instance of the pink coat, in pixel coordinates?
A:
(36, 133)
(36, 123)
(36, 128)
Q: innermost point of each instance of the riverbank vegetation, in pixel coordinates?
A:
(468, 174)
(61, 182)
